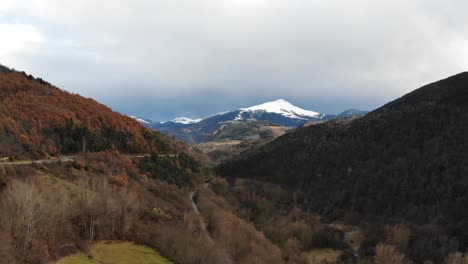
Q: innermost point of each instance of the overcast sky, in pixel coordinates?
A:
(166, 58)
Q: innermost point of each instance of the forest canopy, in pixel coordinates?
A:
(405, 161)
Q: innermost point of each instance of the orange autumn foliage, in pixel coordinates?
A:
(120, 180)
(29, 107)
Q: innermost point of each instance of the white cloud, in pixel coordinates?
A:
(18, 38)
(300, 48)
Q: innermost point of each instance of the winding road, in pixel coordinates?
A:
(202, 224)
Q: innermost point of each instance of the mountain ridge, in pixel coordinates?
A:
(39, 119)
(279, 112)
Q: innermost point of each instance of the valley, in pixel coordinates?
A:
(233, 132)
(77, 187)
(226, 135)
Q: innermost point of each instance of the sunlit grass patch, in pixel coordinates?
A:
(77, 259)
(118, 253)
(126, 253)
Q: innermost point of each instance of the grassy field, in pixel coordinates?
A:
(117, 253)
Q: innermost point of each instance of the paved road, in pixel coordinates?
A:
(39, 161)
(149, 155)
(71, 158)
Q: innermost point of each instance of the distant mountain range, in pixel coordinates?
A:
(279, 112)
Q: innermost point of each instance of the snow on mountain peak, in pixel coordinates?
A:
(185, 120)
(283, 108)
(140, 120)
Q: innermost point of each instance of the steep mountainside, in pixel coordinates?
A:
(403, 161)
(38, 119)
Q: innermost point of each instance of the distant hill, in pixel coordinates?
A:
(38, 119)
(352, 112)
(232, 139)
(405, 161)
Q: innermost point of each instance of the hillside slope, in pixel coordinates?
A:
(39, 119)
(231, 139)
(74, 205)
(403, 161)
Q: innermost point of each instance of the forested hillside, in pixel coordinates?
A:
(39, 119)
(404, 162)
(102, 194)
(52, 208)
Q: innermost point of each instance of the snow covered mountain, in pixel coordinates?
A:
(281, 107)
(143, 121)
(280, 112)
(186, 120)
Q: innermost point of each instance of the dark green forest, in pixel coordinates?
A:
(404, 162)
(74, 138)
(181, 169)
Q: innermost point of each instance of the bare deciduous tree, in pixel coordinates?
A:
(91, 208)
(124, 206)
(21, 216)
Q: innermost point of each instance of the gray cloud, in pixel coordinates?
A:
(358, 53)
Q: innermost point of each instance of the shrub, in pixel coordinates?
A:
(456, 258)
(327, 239)
(219, 186)
(398, 235)
(386, 254)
